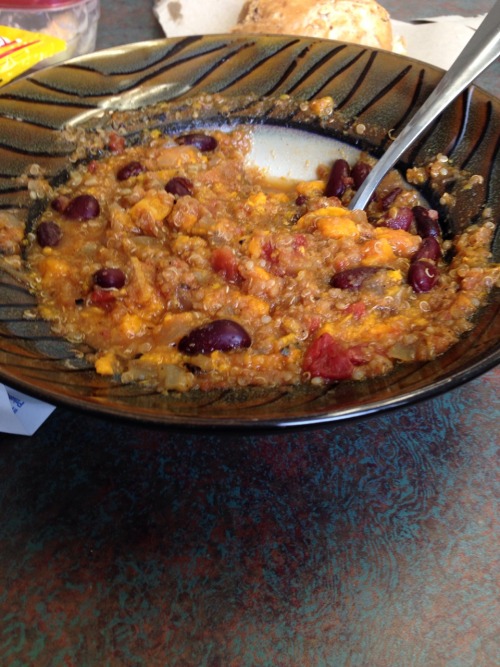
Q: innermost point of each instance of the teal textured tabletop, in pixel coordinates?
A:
(370, 543)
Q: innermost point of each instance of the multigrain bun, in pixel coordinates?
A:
(358, 21)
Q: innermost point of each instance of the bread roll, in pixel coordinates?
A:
(359, 21)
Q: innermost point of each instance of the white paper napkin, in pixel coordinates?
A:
(21, 414)
(436, 40)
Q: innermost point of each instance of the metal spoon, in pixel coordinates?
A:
(482, 49)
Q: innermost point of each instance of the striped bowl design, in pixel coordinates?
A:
(374, 88)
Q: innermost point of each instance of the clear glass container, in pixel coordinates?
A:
(75, 21)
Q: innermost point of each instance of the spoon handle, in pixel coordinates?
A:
(480, 51)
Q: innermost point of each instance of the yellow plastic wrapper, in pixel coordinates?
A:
(20, 50)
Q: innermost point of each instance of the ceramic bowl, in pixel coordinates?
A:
(264, 80)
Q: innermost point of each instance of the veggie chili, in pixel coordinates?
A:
(184, 267)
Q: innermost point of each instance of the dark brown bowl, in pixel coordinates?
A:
(372, 89)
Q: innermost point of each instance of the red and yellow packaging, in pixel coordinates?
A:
(20, 50)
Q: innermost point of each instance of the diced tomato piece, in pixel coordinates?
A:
(224, 262)
(101, 297)
(299, 241)
(267, 251)
(116, 143)
(358, 354)
(314, 323)
(328, 359)
(357, 309)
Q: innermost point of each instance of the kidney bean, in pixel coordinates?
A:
(109, 278)
(352, 278)
(180, 186)
(301, 200)
(339, 179)
(48, 234)
(223, 335)
(429, 249)
(387, 201)
(60, 203)
(203, 142)
(130, 169)
(426, 221)
(422, 275)
(402, 219)
(359, 173)
(82, 207)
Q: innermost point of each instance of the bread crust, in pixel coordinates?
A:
(359, 21)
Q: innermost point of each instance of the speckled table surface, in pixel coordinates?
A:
(371, 543)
